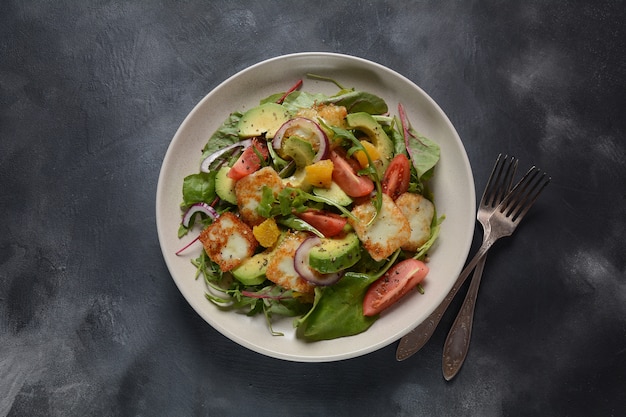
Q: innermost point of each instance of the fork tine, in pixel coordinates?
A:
(500, 180)
(507, 181)
(524, 194)
(541, 183)
(518, 193)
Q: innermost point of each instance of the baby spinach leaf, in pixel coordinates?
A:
(226, 135)
(302, 100)
(396, 136)
(424, 153)
(359, 101)
(339, 310)
(271, 99)
(198, 188)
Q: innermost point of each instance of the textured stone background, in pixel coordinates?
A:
(91, 93)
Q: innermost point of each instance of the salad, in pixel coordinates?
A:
(315, 207)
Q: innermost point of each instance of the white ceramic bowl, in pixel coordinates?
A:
(453, 187)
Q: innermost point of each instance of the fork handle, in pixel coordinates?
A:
(418, 337)
(457, 343)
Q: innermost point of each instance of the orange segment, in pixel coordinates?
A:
(266, 233)
(320, 173)
(371, 150)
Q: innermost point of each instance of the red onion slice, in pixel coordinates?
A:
(199, 208)
(301, 264)
(309, 126)
(206, 163)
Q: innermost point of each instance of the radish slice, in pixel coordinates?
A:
(311, 128)
(206, 163)
(199, 208)
(301, 264)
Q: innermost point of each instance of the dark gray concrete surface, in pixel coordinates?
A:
(91, 93)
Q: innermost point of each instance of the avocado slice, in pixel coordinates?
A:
(367, 124)
(334, 193)
(225, 186)
(335, 254)
(252, 270)
(302, 153)
(300, 150)
(266, 118)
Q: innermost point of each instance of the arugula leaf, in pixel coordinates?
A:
(320, 199)
(291, 199)
(323, 78)
(279, 164)
(296, 223)
(288, 200)
(435, 228)
(207, 268)
(182, 231)
(269, 300)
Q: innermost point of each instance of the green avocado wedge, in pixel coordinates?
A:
(265, 119)
(225, 186)
(252, 270)
(335, 254)
(369, 126)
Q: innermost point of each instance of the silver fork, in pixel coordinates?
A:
(506, 217)
(498, 185)
(457, 343)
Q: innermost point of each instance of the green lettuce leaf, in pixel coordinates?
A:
(338, 310)
(198, 188)
(226, 135)
(359, 101)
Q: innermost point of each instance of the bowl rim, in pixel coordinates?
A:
(189, 119)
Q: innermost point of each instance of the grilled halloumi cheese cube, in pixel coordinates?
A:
(330, 113)
(249, 191)
(281, 270)
(389, 231)
(228, 241)
(419, 211)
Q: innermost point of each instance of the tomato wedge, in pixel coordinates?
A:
(397, 176)
(344, 174)
(329, 224)
(399, 280)
(249, 161)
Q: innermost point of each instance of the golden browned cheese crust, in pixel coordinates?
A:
(280, 269)
(249, 191)
(419, 211)
(228, 241)
(331, 114)
(389, 231)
